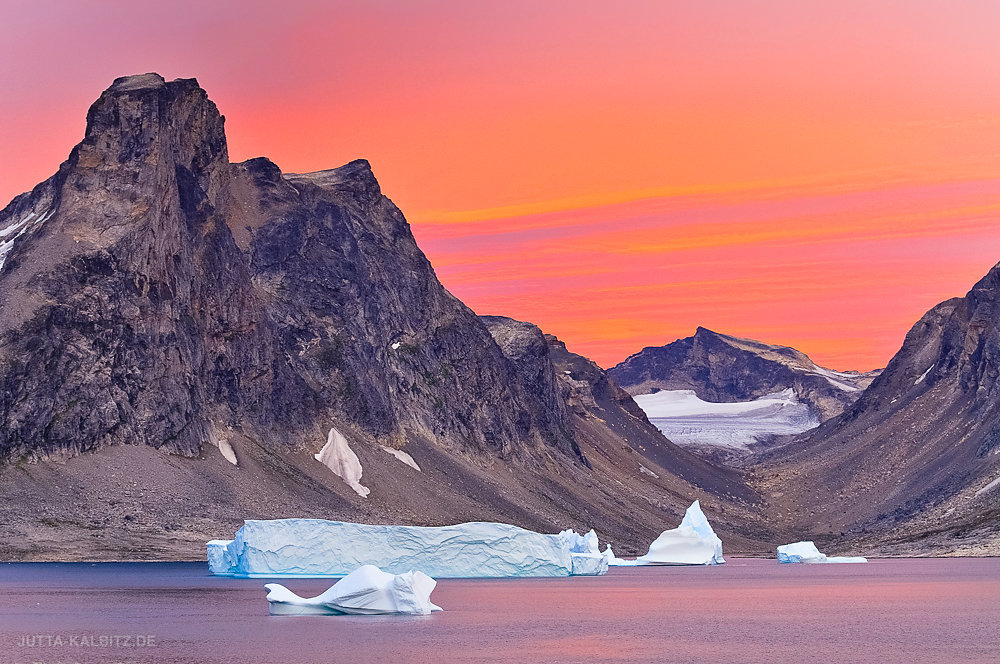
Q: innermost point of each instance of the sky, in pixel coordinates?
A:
(806, 173)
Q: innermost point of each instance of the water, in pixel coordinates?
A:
(928, 610)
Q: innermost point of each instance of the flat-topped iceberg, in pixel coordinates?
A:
(806, 552)
(692, 543)
(319, 548)
(365, 591)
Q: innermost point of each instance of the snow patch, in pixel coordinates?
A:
(16, 225)
(923, 375)
(688, 420)
(992, 485)
(365, 591)
(402, 456)
(647, 471)
(396, 346)
(338, 456)
(16, 230)
(228, 452)
(835, 378)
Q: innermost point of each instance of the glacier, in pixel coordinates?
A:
(688, 420)
(692, 543)
(320, 548)
(365, 591)
(806, 552)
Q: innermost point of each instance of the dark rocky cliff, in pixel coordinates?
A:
(139, 319)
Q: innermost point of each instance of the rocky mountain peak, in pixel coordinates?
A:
(143, 118)
(724, 368)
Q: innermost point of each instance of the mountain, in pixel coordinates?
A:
(187, 342)
(913, 466)
(724, 369)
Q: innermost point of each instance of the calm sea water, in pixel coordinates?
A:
(931, 610)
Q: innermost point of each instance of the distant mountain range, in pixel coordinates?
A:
(721, 395)
(724, 369)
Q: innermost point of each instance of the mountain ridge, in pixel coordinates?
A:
(913, 462)
(180, 334)
(723, 368)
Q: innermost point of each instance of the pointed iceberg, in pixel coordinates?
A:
(365, 591)
(692, 543)
(318, 548)
(806, 552)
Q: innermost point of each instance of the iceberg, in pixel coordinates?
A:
(365, 591)
(217, 554)
(806, 552)
(692, 543)
(615, 561)
(585, 553)
(319, 548)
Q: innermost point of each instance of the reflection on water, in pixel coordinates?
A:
(929, 610)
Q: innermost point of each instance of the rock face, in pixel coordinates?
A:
(181, 334)
(145, 322)
(722, 368)
(915, 458)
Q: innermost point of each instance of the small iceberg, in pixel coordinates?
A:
(585, 554)
(319, 548)
(365, 591)
(692, 543)
(615, 561)
(806, 552)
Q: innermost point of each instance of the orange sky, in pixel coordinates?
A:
(809, 173)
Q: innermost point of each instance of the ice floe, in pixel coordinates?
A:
(692, 543)
(365, 591)
(806, 552)
(319, 548)
(338, 456)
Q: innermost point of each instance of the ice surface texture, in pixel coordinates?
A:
(806, 552)
(365, 591)
(687, 420)
(692, 543)
(318, 548)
